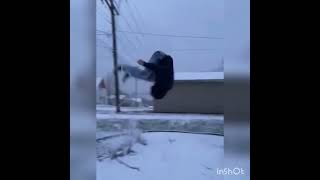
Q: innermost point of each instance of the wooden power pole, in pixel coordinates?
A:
(113, 10)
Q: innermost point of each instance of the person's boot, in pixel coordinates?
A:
(125, 77)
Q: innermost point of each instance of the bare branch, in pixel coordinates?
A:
(127, 165)
(207, 167)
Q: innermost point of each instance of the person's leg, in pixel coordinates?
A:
(144, 74)
(135, 72)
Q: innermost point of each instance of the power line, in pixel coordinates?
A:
(128, 26)
(133, 16)
(193, 50)
(104, 4)
(106, 19)
(109, 34)
(130, 42)
(125, 20)
(104, 16)
(111, 5)
(102, 47)
(105, 43)
(124, 50)
(170, 35)
(134, 20)
(199, 52)
(104, 32)
(122, 56)
(107, 46)
(139, 14)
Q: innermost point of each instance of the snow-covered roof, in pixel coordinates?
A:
(198, 76)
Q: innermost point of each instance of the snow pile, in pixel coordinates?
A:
(119, 144)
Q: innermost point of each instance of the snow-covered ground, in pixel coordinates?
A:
(168, 156)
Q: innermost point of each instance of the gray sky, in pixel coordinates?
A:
(173, 17)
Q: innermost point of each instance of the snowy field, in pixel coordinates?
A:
(168, 156)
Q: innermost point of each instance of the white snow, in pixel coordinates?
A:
(136, 99)
(120, 96)
(185, 76)
(168, 156)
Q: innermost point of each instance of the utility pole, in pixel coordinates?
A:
(136, 88)
(113, 10)
(109, 81)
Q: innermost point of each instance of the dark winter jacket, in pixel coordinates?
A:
(164, 76)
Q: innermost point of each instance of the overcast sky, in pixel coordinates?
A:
(203, 18)
(173, 17)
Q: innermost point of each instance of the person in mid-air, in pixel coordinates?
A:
(159, 69)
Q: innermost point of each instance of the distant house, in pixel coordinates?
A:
(199, 92)
(101, 91)
(105, 93)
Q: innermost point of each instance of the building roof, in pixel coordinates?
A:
(199, 76)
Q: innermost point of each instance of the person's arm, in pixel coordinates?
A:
(150, 66)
